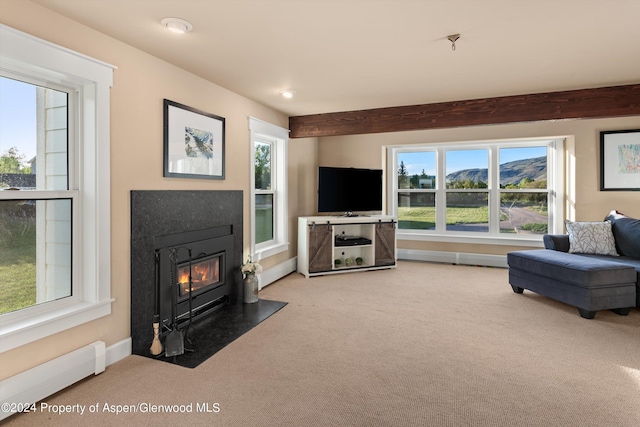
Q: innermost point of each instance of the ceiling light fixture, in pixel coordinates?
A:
(453, 38)
(177, 25)
(287, 93)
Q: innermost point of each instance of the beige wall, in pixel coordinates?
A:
(141, 82)
(585, 202)
(302, 195)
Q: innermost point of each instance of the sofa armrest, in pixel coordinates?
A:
(556, 242)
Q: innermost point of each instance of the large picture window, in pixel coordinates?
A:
(494, 190)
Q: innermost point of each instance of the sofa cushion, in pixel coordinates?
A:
(580, 271)
(591, 238)
(633, 262)
(626, 231)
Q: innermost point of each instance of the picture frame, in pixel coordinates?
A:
(194, 142)
(620, 160)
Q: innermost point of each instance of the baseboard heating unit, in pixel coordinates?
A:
(44, 380)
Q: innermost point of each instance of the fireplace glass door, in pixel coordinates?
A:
(204, 274)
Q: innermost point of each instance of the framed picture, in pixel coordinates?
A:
(193, 143)
(620, 160)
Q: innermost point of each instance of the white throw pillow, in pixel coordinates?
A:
(591, 238)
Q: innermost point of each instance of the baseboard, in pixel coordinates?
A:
(44, 380)
(278, 271)
(118, 351)
(453, 257)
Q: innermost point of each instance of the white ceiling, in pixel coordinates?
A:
(342, 55)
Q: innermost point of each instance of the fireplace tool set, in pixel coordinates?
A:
(174, 341)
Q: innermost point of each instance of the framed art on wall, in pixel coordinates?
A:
(620, 160)
(193, 143)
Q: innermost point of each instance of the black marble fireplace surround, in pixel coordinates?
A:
(158, 218)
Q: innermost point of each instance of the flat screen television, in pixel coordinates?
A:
(348, 190)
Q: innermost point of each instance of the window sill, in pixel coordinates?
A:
(267, 251)
(16, 333)
(532, 240)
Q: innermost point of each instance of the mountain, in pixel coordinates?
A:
(510, 173)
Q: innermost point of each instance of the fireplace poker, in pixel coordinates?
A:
(186, 330)
(156, 345)
(174, 344)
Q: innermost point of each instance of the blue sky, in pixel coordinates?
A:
(17, 117)
(465, 159)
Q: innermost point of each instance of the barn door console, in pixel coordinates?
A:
(331, 245)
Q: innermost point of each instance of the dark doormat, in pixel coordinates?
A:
(208, 336)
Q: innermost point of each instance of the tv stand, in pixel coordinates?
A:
(332, 245)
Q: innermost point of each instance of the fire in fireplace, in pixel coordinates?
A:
(204, 273)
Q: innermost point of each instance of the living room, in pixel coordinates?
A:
(141, 81)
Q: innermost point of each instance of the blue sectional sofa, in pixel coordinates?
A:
(591, 278)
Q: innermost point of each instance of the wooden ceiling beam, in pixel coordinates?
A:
(614, 101)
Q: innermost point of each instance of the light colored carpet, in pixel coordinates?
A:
(422, 345)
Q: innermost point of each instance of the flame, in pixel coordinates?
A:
(202, 274)
(183, 277)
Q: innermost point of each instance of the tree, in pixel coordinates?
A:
(403, 176)
(11, 162)
(262, 164)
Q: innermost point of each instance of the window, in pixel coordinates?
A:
(269, 231)
(35, 213)
(54, 182)
(264, 190)
(507, 190)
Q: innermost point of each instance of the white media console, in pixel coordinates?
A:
(341, 244)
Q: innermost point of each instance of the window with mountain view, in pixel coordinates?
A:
(504, 189)
(467, 190)
(524, 196)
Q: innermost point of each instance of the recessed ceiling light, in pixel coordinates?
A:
(287, 93)
(177, 25)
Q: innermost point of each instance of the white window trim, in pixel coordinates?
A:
(555, 184)
(30, 56)
(260, 130)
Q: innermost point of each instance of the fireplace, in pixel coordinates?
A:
(201, 255)
(200, 228)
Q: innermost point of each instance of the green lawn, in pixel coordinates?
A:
(18, 272)
(424, 218)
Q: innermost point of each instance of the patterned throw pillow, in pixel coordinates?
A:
(591, 238)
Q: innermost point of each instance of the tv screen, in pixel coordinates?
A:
(346, 190)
